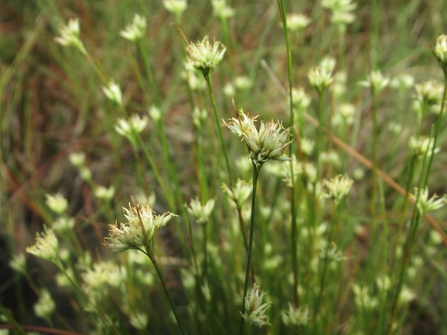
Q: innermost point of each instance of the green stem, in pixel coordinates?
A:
(216, 118)
(151, 256)
(323, 275)
(374, 154)
(293, 210)
(227, 161)
(256, 170)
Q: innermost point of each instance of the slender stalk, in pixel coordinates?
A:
(151, 256)
(224, 149)
(293, 210)
(256, 170)
(216, 118)
(374, 153)
(323, 275)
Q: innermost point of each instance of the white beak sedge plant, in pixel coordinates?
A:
(333, 255)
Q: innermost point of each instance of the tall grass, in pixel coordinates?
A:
(337, 235)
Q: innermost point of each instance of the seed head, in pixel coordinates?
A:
(295, 317)
(201, 213)
(138, 231)
(269, 142)
(441, 49)
(204, 56)
(70, 35)
(136, 30)
(424, 204)
(376, 80)
(46, 247)
(255, 309)
(337, 187)
(297, 22)
(129, 128)
(57, 203)
(320, 78)
(113, 92)
(176, 7)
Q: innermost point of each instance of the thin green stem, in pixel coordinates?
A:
(323, 275)
(216, 118)
(293, 209)
(374, 154)
(256, 170)
(151, 256)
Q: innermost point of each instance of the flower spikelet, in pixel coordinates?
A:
(269, 142)
(424, 204)
(70, 35)
(46, 247)
(204, 56)
(142, 223)
(255, 309)
(441, 49)
(136, 30)
(338, 187)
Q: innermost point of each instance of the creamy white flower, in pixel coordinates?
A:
(376, 80)
(297, 22)
(136, 30)
(424, 204)
(46, 246)
(295, 317)
(113, 92)
(255, 308)
(57, 203)
(337, 187)
(269, 142)
(441, 48)
(45, 306)
(140, 228)
(201, 213)
(70, 35)
(204, 56)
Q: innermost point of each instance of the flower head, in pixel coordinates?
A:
(320, 78)
(129, 128)
(269, 142)
(204, 56)
(338, 187)
(255, 309)
(136, 30)
(441, 49)
(105, 193)
(240, 192)
(200, 212)
(221, 9)
(176, 7)
(297, 22)
(376, 80)
(295, 316)
(113, 93)
(429, 92)
(341, 11)
(424, 204)
(18, 263)
(45, 306)
(422, 145)
(46, 247)
(142, 223)
(70, 35)
(57, 203)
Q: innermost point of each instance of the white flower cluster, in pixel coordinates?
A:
(269, 142)
(255, 309)
(138, 230)
(204, 56)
